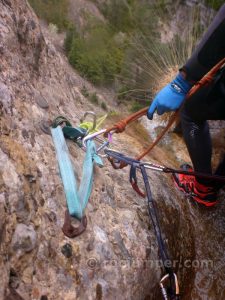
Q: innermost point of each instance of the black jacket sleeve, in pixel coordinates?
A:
(210, 50)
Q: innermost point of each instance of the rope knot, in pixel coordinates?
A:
(120, 126)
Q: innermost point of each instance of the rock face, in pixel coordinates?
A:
(116, 257)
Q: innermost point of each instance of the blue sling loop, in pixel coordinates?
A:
(77, 199)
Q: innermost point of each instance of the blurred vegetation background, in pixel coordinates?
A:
(215, 4)
(125, 50)
(53, 11)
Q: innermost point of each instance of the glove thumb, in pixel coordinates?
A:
(151, 110)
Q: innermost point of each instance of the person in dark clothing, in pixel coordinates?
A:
(207, 103)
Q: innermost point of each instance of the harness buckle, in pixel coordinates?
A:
(71, 231)
(162, 283)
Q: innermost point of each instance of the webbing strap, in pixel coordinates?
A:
(73, 133)
(76, 198)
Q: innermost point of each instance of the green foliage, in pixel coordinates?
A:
(215, 4)
(95, 55)
(122, 92)
(98, 52)
(93, 98)
(129, 15)
(128, 19)
(53, 11)
(136, 106)
(120, 14)
(84, 91)
(71, 35)
(104, 106)
(113, 113)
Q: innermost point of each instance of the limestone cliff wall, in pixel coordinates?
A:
(116, 258)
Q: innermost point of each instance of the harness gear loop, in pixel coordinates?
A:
(121, 125)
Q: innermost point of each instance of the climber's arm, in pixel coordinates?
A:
(208, 53)
(210, 50)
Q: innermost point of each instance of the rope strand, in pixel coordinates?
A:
(121, 125)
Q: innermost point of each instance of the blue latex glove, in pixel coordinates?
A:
(170, 97)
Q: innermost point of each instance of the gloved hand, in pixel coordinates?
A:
(170, 97)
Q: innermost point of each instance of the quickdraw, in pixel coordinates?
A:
(172, 291)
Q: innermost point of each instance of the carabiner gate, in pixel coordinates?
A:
(91, 136)
(95, 135)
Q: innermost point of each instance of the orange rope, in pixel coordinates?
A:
(121, 125)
